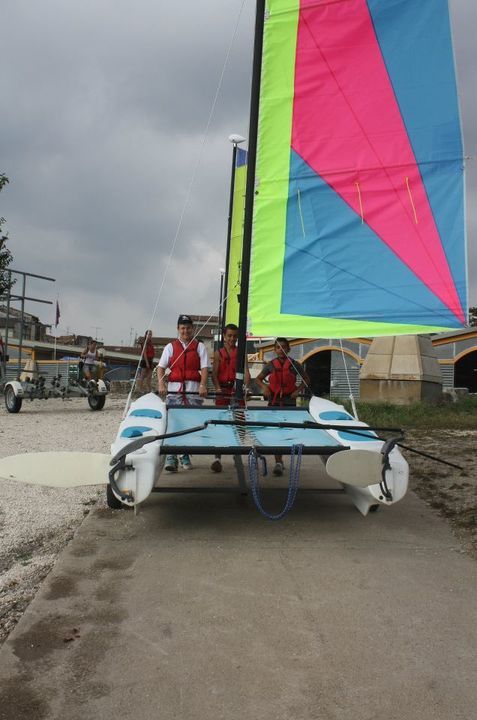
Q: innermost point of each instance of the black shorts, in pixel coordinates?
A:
(143, 365)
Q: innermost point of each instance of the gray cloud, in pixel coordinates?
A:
(103, 109)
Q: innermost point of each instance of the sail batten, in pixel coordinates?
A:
(358, 214)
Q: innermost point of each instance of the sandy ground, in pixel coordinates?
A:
(452, 493)
(37, 522)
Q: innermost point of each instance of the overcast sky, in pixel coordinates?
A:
(103, 109)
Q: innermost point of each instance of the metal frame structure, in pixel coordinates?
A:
(10, 296)
(15, 391)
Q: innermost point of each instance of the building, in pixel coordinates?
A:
(333, 365)
(33, 329)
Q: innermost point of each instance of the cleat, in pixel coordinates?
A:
(216, 466)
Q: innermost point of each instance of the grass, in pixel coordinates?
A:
(461, 415)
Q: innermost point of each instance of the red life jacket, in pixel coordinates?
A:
(149, 350)
(282, 380)
(185, 363)
(227, 367)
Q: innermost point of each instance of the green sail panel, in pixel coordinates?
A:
(234, 273)
(358, 214)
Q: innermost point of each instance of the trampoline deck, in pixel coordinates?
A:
(239, 440)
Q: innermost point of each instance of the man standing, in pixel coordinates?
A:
(223, 376)
(188, 363)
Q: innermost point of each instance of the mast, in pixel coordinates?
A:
(249, 196)
(220, 323)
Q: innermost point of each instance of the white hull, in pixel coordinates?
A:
(326, 412)
(147, 416)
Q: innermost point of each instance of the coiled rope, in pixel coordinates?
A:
(254, 475)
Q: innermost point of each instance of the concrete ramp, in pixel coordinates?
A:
(198, 609)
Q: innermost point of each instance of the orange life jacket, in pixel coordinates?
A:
(149, 350)
(227, 367)
(282, 380)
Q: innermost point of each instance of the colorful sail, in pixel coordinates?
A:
(359, 207)
(236, 239)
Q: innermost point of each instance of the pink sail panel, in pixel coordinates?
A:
(347, 126)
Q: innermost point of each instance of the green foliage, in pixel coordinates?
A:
(461, 415)
(5, 254)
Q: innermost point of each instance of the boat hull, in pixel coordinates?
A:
(147, 416)
(397, 476)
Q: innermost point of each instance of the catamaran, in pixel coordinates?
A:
(353, 226)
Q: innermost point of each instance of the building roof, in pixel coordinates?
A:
(14, 313)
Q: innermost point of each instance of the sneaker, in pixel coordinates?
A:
(171, 463)
(278, 469)
(216, 466)
(185, 462)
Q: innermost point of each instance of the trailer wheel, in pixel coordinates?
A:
(13, 403)
(111, 499)
(96, 402)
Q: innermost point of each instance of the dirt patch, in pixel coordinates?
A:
(451, 492)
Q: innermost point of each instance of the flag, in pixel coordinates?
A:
(57, 316)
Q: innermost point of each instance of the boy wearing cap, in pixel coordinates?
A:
(188, 363)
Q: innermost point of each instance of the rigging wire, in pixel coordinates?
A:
(194, 337)
(296, 365)
(351, 396)
(189, 191)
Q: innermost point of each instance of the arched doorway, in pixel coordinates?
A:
(318, 368)
(465, 372)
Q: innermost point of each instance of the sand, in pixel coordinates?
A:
(36, 522)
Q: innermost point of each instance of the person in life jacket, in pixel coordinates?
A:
(286, 379)
(188, 363)
(223, 375)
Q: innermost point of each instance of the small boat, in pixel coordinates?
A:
(353, 226)
(150, 431)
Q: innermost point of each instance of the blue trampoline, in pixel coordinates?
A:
(234, 439)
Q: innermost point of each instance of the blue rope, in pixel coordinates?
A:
(295, 464)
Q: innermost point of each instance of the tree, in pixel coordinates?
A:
(473, 316)
(5, 254)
